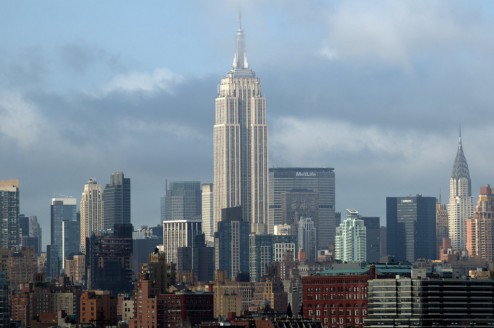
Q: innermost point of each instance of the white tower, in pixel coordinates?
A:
(241, 144)
(351, 239)
(460, 206)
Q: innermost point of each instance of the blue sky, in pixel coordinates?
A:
(375, 89)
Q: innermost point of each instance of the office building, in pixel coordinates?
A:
(194, 263)
(4, 300)
(231, 243)
(98, 307)
(307, 240)
(442, 230)
(267, 249)
(351, 241)
(431, 302)
(304, 192)
(108, 260)
(373, 238)
(91, 212)
(116, 199)
(241, 144)
(9, 214)
(179, 233)
(183, 201)
(460, 206)
(480, 227)
(207, 212)
(411, 227)
(63, 221)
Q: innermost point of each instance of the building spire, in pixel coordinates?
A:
(240, 59)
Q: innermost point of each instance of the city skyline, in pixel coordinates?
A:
(380, 100)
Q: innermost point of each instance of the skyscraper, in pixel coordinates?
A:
(351, 241)
(179, 233)
(460, 205)
(91, 211)
(9, 213)
(207, 212)
(183, 201)
(241, 143)
(304, 192)
(411, 227)
(63, 209)
(116, 199)
(480, 227)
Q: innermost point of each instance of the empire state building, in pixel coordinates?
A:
(241, 144)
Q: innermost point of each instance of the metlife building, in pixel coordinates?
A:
(304, 192)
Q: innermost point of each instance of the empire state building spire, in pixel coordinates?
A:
(240, 59)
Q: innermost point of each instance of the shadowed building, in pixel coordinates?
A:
(411, 227)
(9, 214)
(116, 199)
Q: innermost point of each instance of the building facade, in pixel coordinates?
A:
(304, 192)
(442, 230)
(207, 212)
(183, 201)
(63, 215)
(116, 199)
(411, 227)
(351, 239)
(92, 214)
(307, 239)
(241, 144)
(179, 233)
(480, 227)
(231, 243)
(9, 213)
(373, 238)
(460, 206)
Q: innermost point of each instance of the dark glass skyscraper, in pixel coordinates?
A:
(411, 227)
(116, 200)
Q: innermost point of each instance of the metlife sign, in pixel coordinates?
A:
(305, 174)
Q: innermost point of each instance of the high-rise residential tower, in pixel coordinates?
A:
(116, 198)
(480, 227)
(241, 144)
(460, 205)
(351, 241)
(9, 214)
(91, 211)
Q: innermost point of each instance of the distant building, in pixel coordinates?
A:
(304, 192)
(9, 214)
(480, 227)
(116, 199)
(179, 233)
(91, 212)
(65, 233)
(75, 268)
(108, 260)
(373, 238)
(351, 240)
(460, 206)
(194, 263)
(266, 249)
(4, 300)
(411, 227)
(232, 243)
(207, 212)
(307, 239)
(441, 223)
(21, 267)
(183, 201)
